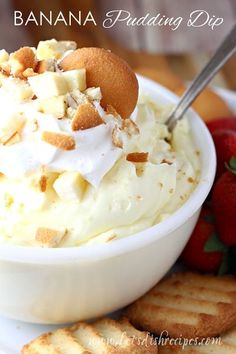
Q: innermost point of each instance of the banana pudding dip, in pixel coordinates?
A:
(85, 156)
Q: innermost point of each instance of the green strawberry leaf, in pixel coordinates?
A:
(224, 268)
(209, 218)
(214, 244)
(232, 165)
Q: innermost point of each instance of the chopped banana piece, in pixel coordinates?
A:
(4, 56)
(9, 126)
(76, 79)
(48, 84)
(28, 73)
(19, 90)
(53, 49)
(94, 93)
(70, 186)
(55, 105)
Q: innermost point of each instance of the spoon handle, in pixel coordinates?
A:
(222, 54)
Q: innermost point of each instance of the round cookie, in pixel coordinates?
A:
(187, 305)
(106, 70)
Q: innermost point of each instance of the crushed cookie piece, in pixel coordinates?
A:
(166, 161)
(116, 138)
(130, 127)
(111, 110)
(21, 60)
(86, 117)
(76, 98)
(60, 140)
(49, 237)
(43, 183)
(14, 139)
(139, 170)
(137, 157)
(190, 180)
(112, 237)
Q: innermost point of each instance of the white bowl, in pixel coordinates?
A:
(69, 284)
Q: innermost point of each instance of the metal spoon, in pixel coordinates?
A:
(222, 54)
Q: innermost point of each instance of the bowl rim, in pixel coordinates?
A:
(96, 252)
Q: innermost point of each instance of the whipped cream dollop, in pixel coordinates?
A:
(93, 156)
(46, 99)
(74, 173)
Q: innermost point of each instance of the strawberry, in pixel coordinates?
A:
(222, 123)
(225, 144)
(204, 251)
(224, 204)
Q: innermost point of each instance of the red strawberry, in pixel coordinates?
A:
(225, 143)
(224, 205)
(222, 123)
(198, 254)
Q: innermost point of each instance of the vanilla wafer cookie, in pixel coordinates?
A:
(118, 83)
(105, 336)
(225, 344)
(188, 305)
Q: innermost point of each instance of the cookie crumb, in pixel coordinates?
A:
(59, 140)
(137, 157)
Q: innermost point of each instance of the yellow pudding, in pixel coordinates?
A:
(75, 172)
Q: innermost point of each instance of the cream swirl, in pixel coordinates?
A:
(94, 154)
